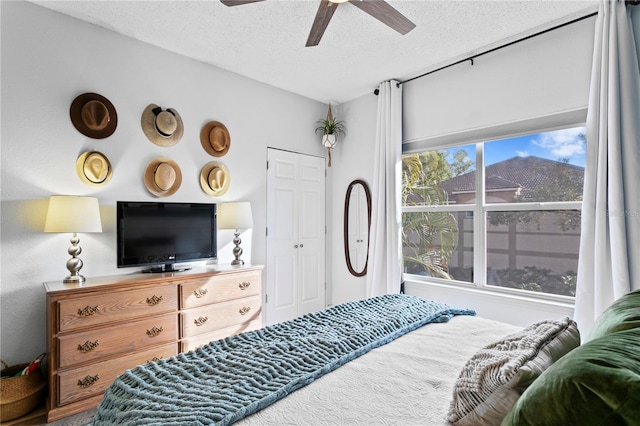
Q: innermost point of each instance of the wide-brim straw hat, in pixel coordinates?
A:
(215, 138)
(162, 127)
(162, 177)
(93, 115)
(94, 168)
(215, 178)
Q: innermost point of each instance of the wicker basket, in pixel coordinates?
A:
(19, 395)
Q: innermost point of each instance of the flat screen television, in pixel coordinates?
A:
(159, 234)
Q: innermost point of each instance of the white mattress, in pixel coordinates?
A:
(406, 382)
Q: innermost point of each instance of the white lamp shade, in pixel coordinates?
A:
(235, 215)
(68, 213)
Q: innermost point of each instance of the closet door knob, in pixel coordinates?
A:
(301, 245)
(296, 246)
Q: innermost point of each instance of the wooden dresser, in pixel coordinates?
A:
(107, 325)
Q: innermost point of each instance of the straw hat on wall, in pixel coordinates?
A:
(162, 127)
(214, 179)
(162, 177)
(215, 138)
(93, 168)
(93, 115)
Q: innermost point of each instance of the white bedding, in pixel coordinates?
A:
(406, 382)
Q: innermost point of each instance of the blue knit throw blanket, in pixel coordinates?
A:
(232, 378)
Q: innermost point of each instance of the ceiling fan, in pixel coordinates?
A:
(379, 9)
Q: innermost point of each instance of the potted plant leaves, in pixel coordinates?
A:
(330, 128)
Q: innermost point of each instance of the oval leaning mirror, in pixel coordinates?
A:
(357, 221)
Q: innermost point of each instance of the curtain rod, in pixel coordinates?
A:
(472, 57)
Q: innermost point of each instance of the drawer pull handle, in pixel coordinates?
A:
(244, 310)
(244, 285)
(88, 381)
(154, 359)
(200, 292)
(87, 311)
(88, 346)
(153, 332)
(154, 300)
(200, 321)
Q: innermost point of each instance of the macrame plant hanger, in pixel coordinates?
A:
(327, 143)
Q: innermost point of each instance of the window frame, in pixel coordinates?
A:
(480, 209)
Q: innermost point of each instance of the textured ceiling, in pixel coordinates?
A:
(266, 41)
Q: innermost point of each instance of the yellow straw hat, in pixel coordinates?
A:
(93, 168)
(214, 179)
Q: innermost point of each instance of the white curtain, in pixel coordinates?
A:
(609, 264)
(384, 272)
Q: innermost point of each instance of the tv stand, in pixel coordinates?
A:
(167, 267)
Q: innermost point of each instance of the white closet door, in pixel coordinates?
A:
(295, 235)
(311, 232)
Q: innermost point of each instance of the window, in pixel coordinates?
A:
(519, 228)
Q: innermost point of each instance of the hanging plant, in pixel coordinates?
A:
(330, 128)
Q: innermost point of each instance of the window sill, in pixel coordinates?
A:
(501, 306)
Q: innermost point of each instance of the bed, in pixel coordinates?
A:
(404, 361)
(409, 381)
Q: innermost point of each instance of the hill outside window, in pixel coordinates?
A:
(501, 214)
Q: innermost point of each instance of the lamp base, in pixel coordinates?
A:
(75, 263)
(75, 279)
(237, 250)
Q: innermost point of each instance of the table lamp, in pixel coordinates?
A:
(73, 214)
(235, 216)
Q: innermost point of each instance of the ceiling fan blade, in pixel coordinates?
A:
(238, 2)
(323, 16)
(385, 13)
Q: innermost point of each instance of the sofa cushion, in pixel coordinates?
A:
(597, 383)
(623, 314)
(494, 378)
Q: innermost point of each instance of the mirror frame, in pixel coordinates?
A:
(346, 226)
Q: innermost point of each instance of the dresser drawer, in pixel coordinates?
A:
(84, 382)
(77, 312)
(219, 288)
(220, 315)
(200, 340)
(86, 346)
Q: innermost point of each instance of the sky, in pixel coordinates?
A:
(555, 145)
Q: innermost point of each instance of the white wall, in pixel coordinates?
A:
(351, 159)
(512, 309)
(47, 60)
